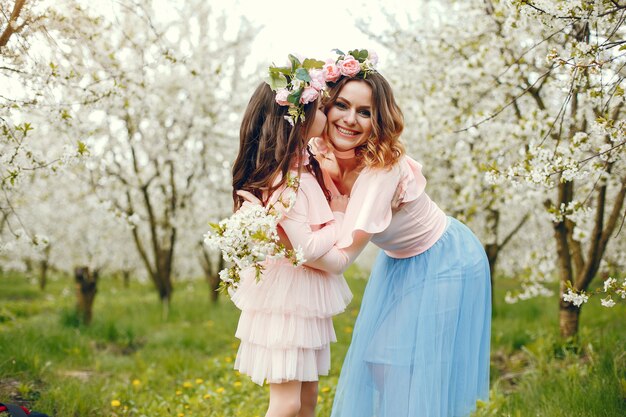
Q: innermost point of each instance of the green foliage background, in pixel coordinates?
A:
(131, 363)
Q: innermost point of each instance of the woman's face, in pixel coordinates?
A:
(349, 122)
(319, 123)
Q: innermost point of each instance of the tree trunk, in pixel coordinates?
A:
(492, 250)
(43, 274)
(86, 289)
(44, 266)
(215, 279)
(569, 315)
(211, 275)
(163, 279)
(126, 278)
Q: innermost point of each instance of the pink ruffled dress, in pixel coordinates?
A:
(286, 324)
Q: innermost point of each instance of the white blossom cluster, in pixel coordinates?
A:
(576, 298)
(248, 238)
(535, 278)
(611, 288)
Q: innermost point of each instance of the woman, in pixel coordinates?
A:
(420, 345)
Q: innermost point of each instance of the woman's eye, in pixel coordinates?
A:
(340, 105)
(365, 113)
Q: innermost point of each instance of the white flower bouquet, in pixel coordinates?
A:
(250, 236)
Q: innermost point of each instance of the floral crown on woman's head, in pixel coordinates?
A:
(356, 63)
(298, 83)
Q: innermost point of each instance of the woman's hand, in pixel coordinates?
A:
(339, 203)
(323, 152)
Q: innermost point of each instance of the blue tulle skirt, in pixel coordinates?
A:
(420, 345)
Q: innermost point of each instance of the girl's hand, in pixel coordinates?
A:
(398, 198)
(249, 197)
(339, 203)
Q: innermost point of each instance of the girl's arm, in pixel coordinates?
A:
(299, 234)
(336, 261)
(313, 243)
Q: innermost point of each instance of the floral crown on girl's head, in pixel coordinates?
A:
(356, 63)
(298, 83)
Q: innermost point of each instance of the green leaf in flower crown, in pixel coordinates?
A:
(339, 52)
(276, 79)
(295, 62)
(312, 63)
(281, 70)
(359, 55)
(303, 75)
(294, 98)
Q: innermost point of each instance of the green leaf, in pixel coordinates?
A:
(276, 80)
(216, 227)
(82, 148)
(303, 74)
(339, 52)
(294, 98)
(295, 62)
(359, 55)
(65, 115)
(312, 63)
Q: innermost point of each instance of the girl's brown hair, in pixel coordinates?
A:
(268, 145)
(383, 148)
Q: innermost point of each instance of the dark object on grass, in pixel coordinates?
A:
(18, 411)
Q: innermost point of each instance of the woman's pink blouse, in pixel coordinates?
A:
(407, 232)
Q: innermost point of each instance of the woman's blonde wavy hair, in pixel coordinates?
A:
(383, 148)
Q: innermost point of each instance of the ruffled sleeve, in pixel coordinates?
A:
(369, 209)
(309, 211)
(310, 205)
(413, 181)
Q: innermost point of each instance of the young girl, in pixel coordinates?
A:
(286, 317)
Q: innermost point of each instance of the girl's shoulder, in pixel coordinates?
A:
(310, 205)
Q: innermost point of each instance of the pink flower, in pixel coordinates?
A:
(332, 71)
(318, 79)
(308, 95)
(349, 66)
(281, 97)
(372, 57)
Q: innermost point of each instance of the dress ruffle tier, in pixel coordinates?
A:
(286, 324)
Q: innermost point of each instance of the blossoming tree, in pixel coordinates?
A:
(523, 112)
(164, 132)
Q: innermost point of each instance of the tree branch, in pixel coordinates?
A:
(11, 24)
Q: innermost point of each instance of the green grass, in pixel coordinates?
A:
(183, 366)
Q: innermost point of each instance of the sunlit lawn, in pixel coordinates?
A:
(130, 362)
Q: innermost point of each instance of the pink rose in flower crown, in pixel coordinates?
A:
(318, 79)
(281, 97)
(349, 66)
(332, 71)
(308, 95)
